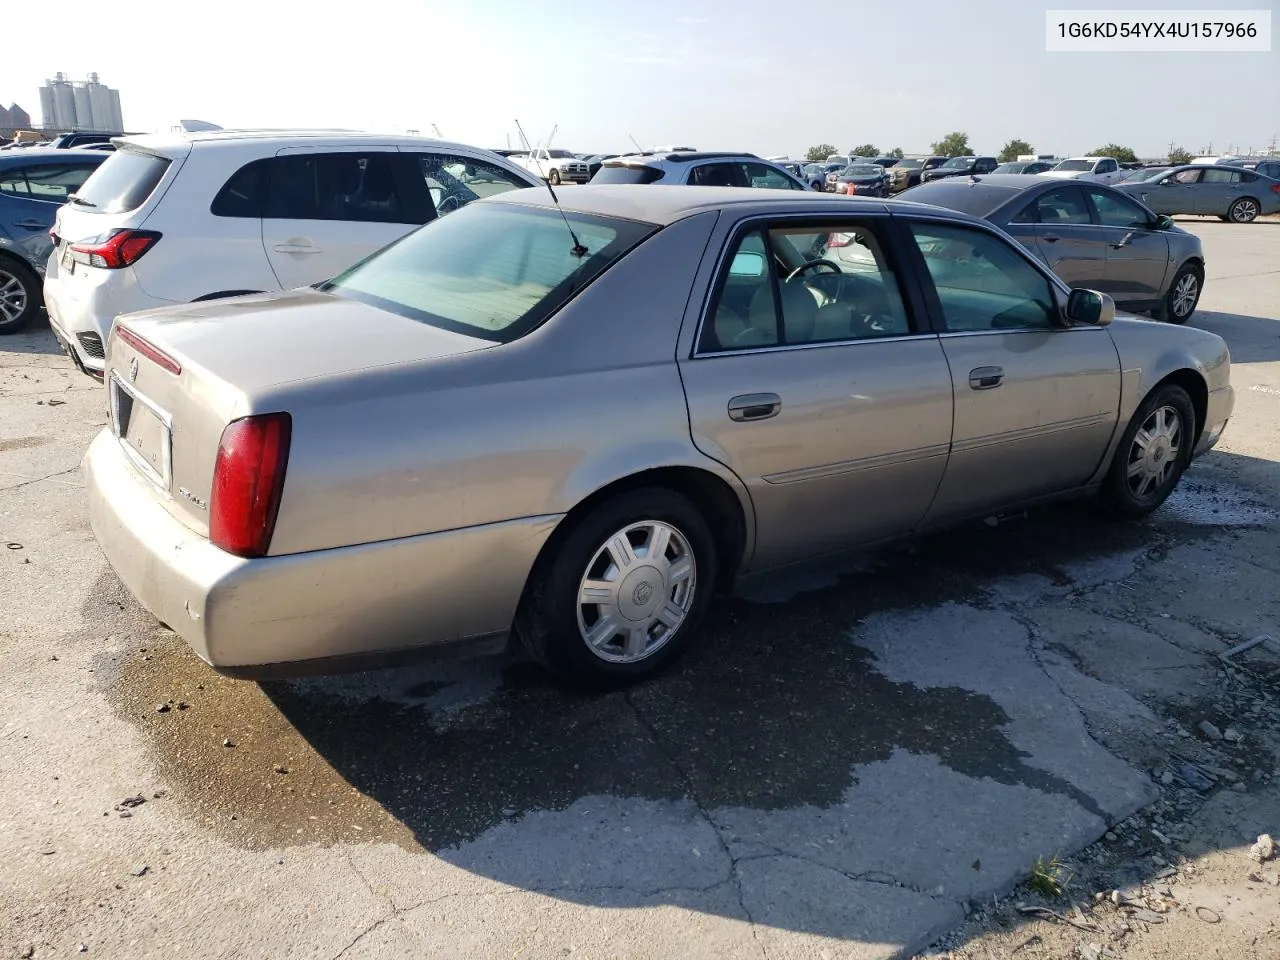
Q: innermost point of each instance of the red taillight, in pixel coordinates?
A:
(147, 349)
(248, 478)
(1275, 188)
(111, 251)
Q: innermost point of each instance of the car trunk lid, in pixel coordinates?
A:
(176, 377)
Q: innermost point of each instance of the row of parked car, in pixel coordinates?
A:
(200, 215)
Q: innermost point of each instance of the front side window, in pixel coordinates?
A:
(982, 283)
(957, 163)
(494, 271)
(765, 177)
(358, 187)
(1064, 206)
(455, 181)
(1185, 176)
(1108, 166)
(797, 285)
(1117, 211)
(1219, 175)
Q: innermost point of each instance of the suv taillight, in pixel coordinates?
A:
(248, 478)
(111, 251)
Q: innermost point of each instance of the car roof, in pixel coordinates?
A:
(51, 154)
(662, 207)
(688, 157)
(988, 192)
(166, 142)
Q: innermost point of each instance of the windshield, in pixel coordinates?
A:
(494, 271)
(1075, 165)
(123, 182)
(910, 164)
(1148, 174)
(957, 163)
(561, 155)
(863, 170)
(1011, 168)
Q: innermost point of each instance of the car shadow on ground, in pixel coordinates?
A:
(1252, 339)
(743, 758)
(36, 338)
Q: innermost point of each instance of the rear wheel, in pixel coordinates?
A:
(1244, 210)
(20, 295)
(1152, 455)
(1183, 294)
(623, 594)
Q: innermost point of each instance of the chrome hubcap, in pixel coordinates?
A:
(13, 297)
(1184, 295)
(636, 592)
(1154, 451)
(1244, 211)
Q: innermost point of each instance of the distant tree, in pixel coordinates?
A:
(1014, 149)
(865, 150)
(1177, 156)
(1123, 154)
(896, 152)
(820, 152)
(954, 144)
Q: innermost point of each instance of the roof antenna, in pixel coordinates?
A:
(639, 149)
(577, 250)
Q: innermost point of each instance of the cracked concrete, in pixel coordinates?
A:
(853, 758)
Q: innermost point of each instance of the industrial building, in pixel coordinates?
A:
(79, 105)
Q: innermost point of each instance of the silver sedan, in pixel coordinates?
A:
(575, 425)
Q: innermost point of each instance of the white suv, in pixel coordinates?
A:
(698, 169)
(175, 218)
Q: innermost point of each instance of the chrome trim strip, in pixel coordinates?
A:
(856, 466)
(162, 480)
(786, 347)
(1028, 433)
(950, 334)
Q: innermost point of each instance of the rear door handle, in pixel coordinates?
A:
(295, 248)
(755, 406)
(30, 224)
(985, 378)
(1049, 238)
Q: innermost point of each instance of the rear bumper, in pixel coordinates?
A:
(320, 611)
(83, 306)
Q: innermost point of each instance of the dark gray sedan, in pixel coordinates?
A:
(1090, 234)
(1219, 190)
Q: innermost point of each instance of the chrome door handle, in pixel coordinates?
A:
(754, 406)
(985, 378)
(295, 248)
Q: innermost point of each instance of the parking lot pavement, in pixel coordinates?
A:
(852, 760)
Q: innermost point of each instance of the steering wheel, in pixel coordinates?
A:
(810, 264)
(449, 203)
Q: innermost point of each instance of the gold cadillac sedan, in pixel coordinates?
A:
(574, 422)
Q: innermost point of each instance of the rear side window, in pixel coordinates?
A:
(51, 182)
(124, 181)
(358, 187)
(244, 194)
(620, 174)
(1218, 175)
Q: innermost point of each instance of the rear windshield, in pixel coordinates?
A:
(494, 271)
(623, 174)
(975, 199)
(123, 182)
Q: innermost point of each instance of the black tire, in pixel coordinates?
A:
(549, 619)
(1175, 309)
(20, 289)
(1120, 495)
(1244, 210)
(554, 178)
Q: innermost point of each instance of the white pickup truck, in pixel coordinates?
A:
(554, 166)
(1097, 169)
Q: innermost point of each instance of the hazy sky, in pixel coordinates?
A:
(768, 76)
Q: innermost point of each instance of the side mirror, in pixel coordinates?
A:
(1165, 223)
(1091, 307)
(747, 265)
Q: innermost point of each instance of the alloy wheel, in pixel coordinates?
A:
(1244, 211)
(1154, 453)
(636, 592)
(1185, 293)
(13, 297)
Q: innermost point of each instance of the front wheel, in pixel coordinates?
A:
(1152, 455)
(554, 178)
(1244, 210)
(20, 296)
(623, 594)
